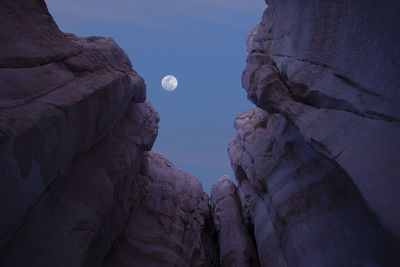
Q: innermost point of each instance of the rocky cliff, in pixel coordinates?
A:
(77, 187)
(317, 163)
(304, 208)
(332, 68)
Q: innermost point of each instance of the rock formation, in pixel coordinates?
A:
(60, 96)
(77, 217)
(76, 186)
(236, 245)
(332, 68)
(305, 209)
(169, 223)
(316, 163)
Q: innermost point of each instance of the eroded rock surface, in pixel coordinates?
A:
(60, 95)
(76, 186)
(169, 224)
(305, 209)
(77, 218)
(236, 245)
(332, 68)
(316, 164)
(73, 130)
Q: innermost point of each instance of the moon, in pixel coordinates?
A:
(169, 83)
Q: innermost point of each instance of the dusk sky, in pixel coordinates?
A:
(202, 43)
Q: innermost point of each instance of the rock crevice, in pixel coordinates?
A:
(316, 163)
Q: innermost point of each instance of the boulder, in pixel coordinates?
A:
(169, 224)
(236, 244)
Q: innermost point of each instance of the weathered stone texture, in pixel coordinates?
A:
(236, 244)
(77, 218)
(305, 208)
(170, 222)
(60, 95)
(332, 68)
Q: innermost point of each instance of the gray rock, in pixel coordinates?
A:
(170, 222)
(76, 188)
(332, 68)
(305, 209)
(76, 220)
(73, 130)
(60, 95)
(236, 247)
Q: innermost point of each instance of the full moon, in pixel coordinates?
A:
(169, 83)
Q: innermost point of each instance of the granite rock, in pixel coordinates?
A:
(169, 224)
(78, 217)
(73, 130)
(305, 209)
(60, 95)
(332, 68)
(236, 244)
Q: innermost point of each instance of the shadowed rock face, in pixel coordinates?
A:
(305, 209)
(235, 241)
(60, 95)
(170, 222)
(316, 163)
(332, 68)
(76, 187)
(77, 218)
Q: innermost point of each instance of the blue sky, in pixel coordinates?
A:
(202, 43)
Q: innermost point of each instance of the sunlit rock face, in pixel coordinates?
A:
(236, 246)
(304, 208)
(332, 68)
(170, 222)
